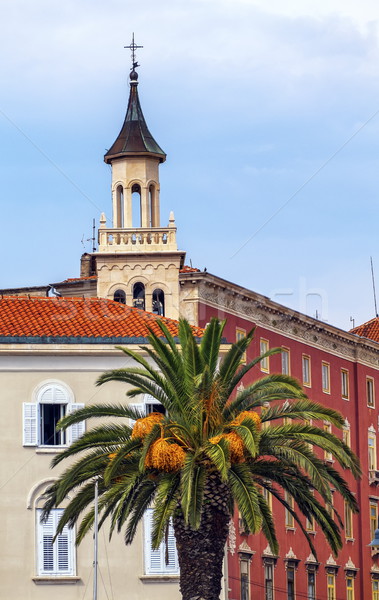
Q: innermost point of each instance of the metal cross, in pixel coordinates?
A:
(133, 47)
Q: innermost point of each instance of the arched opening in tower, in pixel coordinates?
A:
(158, 302)
(139, 295)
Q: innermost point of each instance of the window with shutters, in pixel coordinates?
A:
(53, 400)
(264, 347)
(163, 560)
(285, 361)
(148, 406)
(54, 559)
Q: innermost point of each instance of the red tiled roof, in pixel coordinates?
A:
(368, 330)
(187, 269)
(36, 316)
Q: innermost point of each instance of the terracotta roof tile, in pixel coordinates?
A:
(28, 316)
(187, 269)
(369, 330)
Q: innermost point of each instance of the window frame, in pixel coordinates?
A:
(350, 594)
(51, 393)
(373, 519)
(269, 590)
(306, 359)
(68, 534)
(345, 384)
(264, 346)
(370, 395)
(291, 587)
(372, 451)
(289, 519)
(286, 352)
(349, 526)
(311, 575)
(241, 333)
(325, 376)
(331, 586)
(375, 589)
(159, 555)
(328, 456)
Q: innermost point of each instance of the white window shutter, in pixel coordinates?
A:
(76, 430)
(155, 560)
(30, 432)
(54, 559)
(140, 407)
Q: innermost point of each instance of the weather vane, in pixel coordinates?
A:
(133, 47)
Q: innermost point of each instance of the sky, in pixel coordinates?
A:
(268, 113)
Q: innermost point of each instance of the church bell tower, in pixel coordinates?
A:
(138, 261)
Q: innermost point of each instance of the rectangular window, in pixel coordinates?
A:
(309, 524)
(244, 577)
(370, 392)
(325, 372)
(269, 582)
(264, 347)
(240, 334)
(346, 435)
(155, 560)
(306, 363)
(40, 421)
(268, 497)
(331, 583)
(289, 520)
(375, 589)
(54, 559)
(373, 518)
(345, 384)
(290, 583)
(349, 588)
(311, 585)
(348, 522)
(329, 507)
(372, 452)
(50, 414)
(285, 361)
(328, 429)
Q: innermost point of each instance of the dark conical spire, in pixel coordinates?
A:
(134, 138)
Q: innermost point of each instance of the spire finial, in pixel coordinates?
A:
(133, 47)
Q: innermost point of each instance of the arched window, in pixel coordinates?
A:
(152, 207)
(40, 418)
(120, 206)
(139, 295)
(119, 296)
(158, 302)
(136, 206)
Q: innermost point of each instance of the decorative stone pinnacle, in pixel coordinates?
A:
(171, 221)
(103, 220)
(331, 561)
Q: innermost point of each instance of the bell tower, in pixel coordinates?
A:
(138, 261)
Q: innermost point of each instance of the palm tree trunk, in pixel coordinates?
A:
(201, 552)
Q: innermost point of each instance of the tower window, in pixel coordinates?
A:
(158, 302)
(119, 296)
(136, 206)
(139, 295)
(120, 207)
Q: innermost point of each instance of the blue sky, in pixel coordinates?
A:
(269, 116)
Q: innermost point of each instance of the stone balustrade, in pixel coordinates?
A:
(152, 239)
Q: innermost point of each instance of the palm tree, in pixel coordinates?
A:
(214, 448)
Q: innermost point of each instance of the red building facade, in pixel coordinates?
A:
(339, 369)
